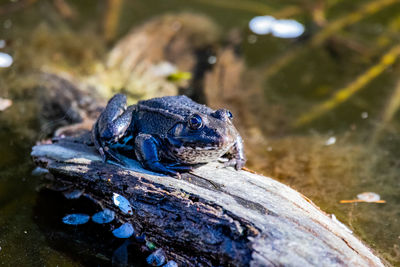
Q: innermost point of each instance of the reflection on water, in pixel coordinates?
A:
(2, 43)
(282, 28)
(5, 60)
(324, 119)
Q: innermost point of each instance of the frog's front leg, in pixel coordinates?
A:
(147, 150)
(111, 126)
(236, 155)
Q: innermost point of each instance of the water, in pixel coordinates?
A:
(325, 121)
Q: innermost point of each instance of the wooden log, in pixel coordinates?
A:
(214, 216)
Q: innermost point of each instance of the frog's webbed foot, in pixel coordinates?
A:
(106, 154)
(146, 150)
(236, 157)
(179, 167)
(111, 126)
(238, 164)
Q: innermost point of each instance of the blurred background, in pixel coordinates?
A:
(314, 87)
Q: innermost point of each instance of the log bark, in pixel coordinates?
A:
(214, 216)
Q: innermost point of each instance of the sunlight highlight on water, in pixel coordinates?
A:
(5, 60)
(281, 28)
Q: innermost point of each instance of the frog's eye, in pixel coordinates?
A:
(222, 114)
(195, 122)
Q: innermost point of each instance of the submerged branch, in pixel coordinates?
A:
(111, 18)
(325, 33)
(390, 110)
(393, 106)
(335, 26)
(345, 93)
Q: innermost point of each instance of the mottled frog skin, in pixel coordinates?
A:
(168, 134)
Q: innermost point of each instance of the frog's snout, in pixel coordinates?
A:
(226, 138)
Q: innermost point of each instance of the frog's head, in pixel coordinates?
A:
(202, 137)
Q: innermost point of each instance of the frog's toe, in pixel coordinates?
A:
(180, 168)
(158, 167)
(107, 154)
(238, 164)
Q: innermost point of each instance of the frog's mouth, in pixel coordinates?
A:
(197, 154)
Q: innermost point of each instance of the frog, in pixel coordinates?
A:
(168, 135)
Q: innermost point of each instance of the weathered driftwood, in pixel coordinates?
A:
(216, 216)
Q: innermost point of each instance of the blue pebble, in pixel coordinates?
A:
(76, 219)
(74, 194)
(157, 258)
(122, 203)
(104, 216)
(124, 231)
(171, 264)
(39, 171)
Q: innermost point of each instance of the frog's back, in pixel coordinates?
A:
(158, 115)
(180, 105)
